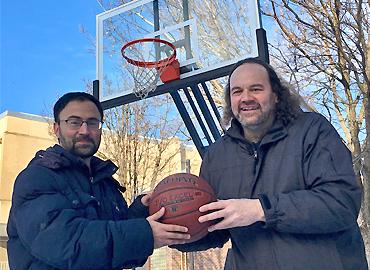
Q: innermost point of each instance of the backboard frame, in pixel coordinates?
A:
(189, 23)
(197, 84)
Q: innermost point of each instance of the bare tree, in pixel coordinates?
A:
(325, 46)
(141, 139)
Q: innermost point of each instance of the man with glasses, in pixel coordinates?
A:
(67, 209)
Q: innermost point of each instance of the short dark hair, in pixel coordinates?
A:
(75, 96)
(288, 105)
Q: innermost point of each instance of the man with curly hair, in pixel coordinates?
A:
(288, 195)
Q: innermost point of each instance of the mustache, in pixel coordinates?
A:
(83, 138)
(250, 102)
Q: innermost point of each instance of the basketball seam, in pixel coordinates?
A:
(212, 194)
(192, 211)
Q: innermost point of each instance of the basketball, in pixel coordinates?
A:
(182, 194)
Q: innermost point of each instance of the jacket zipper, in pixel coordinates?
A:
(255, 151)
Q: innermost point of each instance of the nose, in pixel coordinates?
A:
(83, 129)
(246, 95)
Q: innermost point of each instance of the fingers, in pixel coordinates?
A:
(166, 227)
(174, 228)
(212, 216)
(177, 236)
(216, 208)
(146, 198)
(168, 242)
(171, 238)
(166, 234)
(176, 242)
(157, 215)
(212, 206)
(233, 213)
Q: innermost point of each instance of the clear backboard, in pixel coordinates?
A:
(208, 35)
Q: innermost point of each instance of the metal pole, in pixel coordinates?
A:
(156, 28)
(96, 89)
(188, 123)
(263, 52)
(185, 13)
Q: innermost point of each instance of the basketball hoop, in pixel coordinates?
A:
(146, 65)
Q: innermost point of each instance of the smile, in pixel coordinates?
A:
(245, 108)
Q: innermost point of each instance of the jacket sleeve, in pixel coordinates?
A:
(214, 239)
(331, 199)
(137, 209)
(56, 231)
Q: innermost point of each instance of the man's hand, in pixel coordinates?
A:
(233, 212)
(166, 234)
(146, 198)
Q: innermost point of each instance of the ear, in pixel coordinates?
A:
(56, 128)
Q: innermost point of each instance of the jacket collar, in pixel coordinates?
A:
(275, 133)
(57, 157)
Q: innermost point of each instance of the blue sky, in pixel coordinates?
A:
(43, 54)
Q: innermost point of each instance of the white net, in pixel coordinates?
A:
(145, 80)
(146, 76)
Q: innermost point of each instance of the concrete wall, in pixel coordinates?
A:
(21, 135)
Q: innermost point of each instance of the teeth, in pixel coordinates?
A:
(249, 108)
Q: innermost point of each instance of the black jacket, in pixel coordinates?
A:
(304, 178)
(64, 218)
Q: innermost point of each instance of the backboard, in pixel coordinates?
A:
(208, 35)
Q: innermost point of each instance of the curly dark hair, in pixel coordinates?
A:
(288, 106)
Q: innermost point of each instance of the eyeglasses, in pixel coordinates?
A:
(76, 123)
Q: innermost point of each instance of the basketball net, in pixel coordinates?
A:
(146, 69)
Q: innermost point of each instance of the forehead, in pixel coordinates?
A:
(83, 109)
(249, 73)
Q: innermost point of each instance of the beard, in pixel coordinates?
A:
(257, 119)
(81, 146)
(253, 125)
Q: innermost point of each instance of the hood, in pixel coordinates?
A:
(54, 158)
(57, 157)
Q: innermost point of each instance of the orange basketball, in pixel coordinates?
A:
(182, 194)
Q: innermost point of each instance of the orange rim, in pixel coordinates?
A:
(156, 64)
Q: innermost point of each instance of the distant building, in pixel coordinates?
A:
(22, 135)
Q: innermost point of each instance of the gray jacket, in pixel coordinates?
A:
(302, 173)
